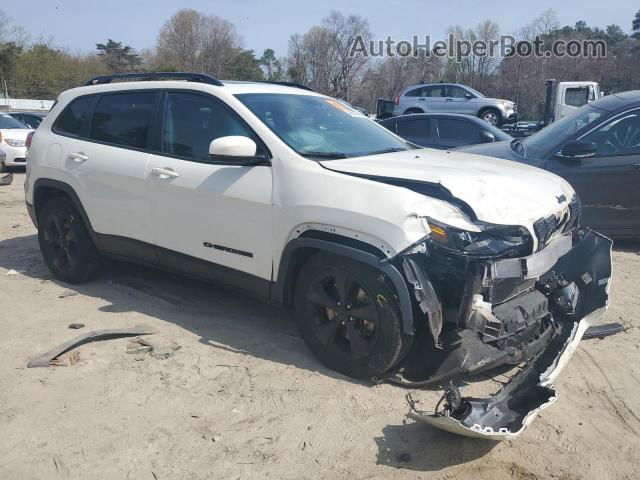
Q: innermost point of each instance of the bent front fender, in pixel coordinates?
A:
(507, 413)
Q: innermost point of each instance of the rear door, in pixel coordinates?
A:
(215, 211)
(608, 183)
(433, 98)
(416, 130)
(107, 159)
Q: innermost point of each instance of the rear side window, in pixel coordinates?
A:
(74, 116)
(123, 119)
(414, 128)
(458, 130)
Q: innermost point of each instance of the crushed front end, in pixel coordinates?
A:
(491, 301)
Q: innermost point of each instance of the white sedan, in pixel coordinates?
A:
(13, 137)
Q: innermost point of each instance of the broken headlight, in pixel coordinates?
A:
(491, 240)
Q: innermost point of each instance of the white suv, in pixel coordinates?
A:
(305, 202)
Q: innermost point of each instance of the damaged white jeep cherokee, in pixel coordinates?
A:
(412, 264)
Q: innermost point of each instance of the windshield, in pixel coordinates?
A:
(538, 145)
(321, 127)
(475, 92)
(9, 122)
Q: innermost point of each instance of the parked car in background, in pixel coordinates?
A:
(29, 119)
(444, 130)
(454, 98)
(13, 137)
(597, 149)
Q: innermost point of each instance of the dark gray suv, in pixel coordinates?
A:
(454, 98)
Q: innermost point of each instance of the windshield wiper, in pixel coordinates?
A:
(387, 150)
(324, 154)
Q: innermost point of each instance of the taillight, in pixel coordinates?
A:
(27, 142)
(397, 100)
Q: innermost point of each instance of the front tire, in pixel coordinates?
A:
(65, 242)
(413, 111)
(349, 317)
(491, 116)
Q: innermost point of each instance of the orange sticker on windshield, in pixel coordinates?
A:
(343, 108)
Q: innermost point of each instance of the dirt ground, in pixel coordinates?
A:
(244, 398)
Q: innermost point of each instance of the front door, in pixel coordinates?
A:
(608, 183)
(215, 213)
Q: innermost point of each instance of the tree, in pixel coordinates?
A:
(118, 58)
(322, 59)
(246, 66)
(272, 66)
(635, 25)
(195, 42)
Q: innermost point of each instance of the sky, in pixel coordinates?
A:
(79, 25)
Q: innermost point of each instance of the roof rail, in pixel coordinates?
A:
(149, 76)
(288, 84)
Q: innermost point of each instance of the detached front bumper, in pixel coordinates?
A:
(579, 299)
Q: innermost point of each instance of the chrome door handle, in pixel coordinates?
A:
(637, 165)
(449, 100)
(78, 157)
(165, 172)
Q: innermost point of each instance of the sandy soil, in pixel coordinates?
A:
(244, 398)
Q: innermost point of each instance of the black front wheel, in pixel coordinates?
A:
(349, 316)
(65, 243)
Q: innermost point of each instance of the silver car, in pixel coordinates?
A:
(454, 98)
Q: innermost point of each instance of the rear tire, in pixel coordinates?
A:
(65, 242)
(349, 316)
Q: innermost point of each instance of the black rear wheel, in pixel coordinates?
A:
(349, 316)
(65, 243)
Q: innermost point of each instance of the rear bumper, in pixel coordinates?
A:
(586, 268)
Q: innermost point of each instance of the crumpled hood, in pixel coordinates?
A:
(498, 191)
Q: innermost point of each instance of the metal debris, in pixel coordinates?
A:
(44, 360)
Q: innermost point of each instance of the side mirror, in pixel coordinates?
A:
(235, 149)
(578, 149)
(468, 96)
(487, 137)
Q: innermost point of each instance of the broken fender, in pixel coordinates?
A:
(507, 413)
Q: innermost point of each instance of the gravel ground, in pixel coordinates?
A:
(243, 397)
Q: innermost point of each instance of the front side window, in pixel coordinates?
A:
(545, 140)
(193, 121)
(321, 127)
(454, 91)
(576, 97)
(458, 130)
(74, 116)
(620, 136)
(123, 119)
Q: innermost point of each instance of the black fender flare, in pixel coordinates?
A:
(406, 306)
(69, 191)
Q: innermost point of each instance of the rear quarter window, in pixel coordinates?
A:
(73, 117)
